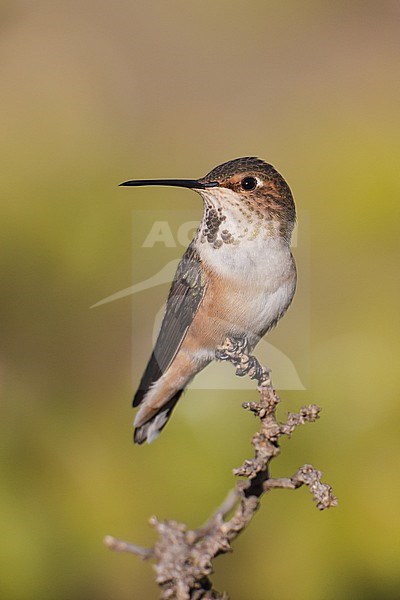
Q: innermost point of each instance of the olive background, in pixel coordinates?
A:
(94, 93)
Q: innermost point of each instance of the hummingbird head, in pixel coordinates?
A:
(245, 192)
(253, 187)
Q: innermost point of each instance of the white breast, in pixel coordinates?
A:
(261, 280)
(260, 260)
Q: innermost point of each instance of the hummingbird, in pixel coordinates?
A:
(236, 279)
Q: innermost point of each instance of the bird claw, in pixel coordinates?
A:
(231, 349)
(234, 349)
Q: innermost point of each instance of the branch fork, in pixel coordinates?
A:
(183, 557)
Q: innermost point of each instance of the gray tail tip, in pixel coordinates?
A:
(140, 436)
(150, 430)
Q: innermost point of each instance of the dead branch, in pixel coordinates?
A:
(183, 557)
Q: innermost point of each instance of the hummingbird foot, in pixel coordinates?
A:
(233, 346)
(234, 349)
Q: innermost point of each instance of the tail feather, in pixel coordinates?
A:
(159, 390)
(150, 430)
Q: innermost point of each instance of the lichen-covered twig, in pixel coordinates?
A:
(183, 557)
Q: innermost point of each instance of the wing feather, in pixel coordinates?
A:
(184, 298)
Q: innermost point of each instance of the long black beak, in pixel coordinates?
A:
(186, 183)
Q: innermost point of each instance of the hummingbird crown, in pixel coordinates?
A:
(237, 166)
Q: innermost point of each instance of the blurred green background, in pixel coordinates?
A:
(93, 93)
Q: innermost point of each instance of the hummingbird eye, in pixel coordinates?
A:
(249, 183)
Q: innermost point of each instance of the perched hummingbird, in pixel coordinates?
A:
(236, 279)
